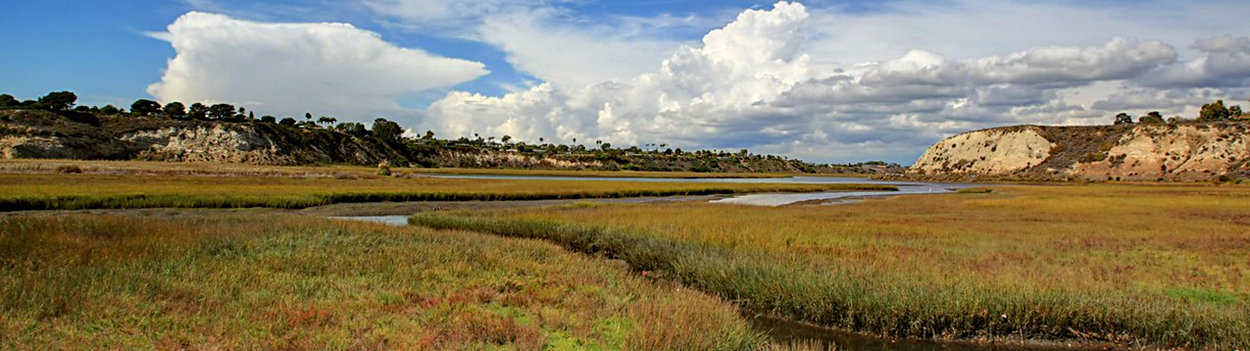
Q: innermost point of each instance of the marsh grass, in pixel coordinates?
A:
(287, 282)
(219, 169)
(1143, 265)
(112, 191)
(600, 174)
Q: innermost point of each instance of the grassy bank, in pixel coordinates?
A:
(218, 169)
(598, 174)
(286, 282)
(1159, 265)
(44, 191)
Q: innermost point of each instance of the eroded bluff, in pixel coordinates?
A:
(1184, 151)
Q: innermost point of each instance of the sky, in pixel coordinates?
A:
(820, 80)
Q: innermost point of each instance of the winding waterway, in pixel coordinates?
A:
(780, 330)
(765, 199)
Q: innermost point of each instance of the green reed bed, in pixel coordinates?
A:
(125, 201)
(114, 191)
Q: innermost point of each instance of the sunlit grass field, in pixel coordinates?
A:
(1134, 264)
(29, 185)
(292, 283)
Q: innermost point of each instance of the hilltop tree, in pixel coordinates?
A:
(352, 128)
(7, 100)
(386, 130)
(268, 119)
(308, 115)
(328, 121)
(175, 109)
(1154, 117)
(506, 139)
(289, 122)
(56, 101)
(221, 111)
(1123, 118)
(198, 111)
(145, 107)
(110, 110)
(1214, 111)
(429, 135)
(1234, 111)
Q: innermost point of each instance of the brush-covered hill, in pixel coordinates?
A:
(39, 133)
(1184, 151)
(32, 133)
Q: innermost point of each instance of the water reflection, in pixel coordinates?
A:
(793, 198)
(787, 332)
(397, 221)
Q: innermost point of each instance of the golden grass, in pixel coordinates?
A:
(208, 168)
(1164, 265)
(139, 185)
(589, 173)
(287, 282)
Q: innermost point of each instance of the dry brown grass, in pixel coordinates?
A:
(1123, 263)
(293, 283)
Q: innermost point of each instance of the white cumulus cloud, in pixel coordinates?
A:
(756, 83)
(288, 69)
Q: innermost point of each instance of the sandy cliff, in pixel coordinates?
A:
(1186, 151)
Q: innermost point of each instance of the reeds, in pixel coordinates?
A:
(289, 282)
(1118, 264)
(116, 191)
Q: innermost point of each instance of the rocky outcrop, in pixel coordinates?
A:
(41, 134)
(991, 152)
(1184, 151)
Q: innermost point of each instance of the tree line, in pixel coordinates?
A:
(1211, 112)
(64, 101)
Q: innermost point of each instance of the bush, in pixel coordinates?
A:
(1093, 157)
(66, 169)
(384, 170)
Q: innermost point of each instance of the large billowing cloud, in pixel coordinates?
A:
(289, 69)
(758, 83)
(571, 56)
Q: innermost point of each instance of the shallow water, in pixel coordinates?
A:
(770, 199)
(788, 332)
(779, 199)
(397, 221)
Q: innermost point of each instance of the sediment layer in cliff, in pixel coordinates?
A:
(1184, 151)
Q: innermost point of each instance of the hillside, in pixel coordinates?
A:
(1188, 151)
(32, 133)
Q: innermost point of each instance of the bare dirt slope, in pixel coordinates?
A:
(1184, 151)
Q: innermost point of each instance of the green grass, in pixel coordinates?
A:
(599, 174)
(288, 282)
(1144, 265)
(45, 191)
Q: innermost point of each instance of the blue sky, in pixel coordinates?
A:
(98, 49)
(836, 81)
